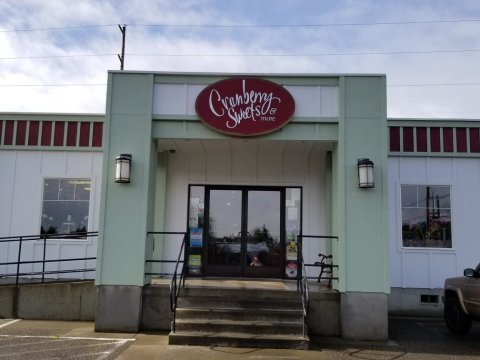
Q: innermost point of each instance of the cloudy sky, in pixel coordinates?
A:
(55, 54)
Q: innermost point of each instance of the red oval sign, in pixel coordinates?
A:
(245, 106)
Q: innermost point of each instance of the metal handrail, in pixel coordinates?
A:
(305, 297)
(302, 278)
(44, 237)
(177, 281)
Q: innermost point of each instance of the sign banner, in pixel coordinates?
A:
(245, 106)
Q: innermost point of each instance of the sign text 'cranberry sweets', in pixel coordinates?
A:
(245, 106)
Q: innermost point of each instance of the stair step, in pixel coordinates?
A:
(228, 303)
(234, 339)
(240, 326)
(240, 314)
(244, 294)
(239, 317)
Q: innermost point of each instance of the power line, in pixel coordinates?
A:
(103, 84)
(451, 21)
(435, 84)
(308, 25)
(57, 28)
(55, 56)
(48, 85)
(311, 54)
(408, 52)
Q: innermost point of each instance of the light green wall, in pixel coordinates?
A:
(361, 215)
(358, 216)
(127, 209)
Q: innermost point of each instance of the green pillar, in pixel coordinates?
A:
(362, 214)
(127, 210)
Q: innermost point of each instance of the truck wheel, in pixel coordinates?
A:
(457, 321)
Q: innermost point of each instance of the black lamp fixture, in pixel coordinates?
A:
(365, 173)
(123, 166)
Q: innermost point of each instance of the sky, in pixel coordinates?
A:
(55, 54)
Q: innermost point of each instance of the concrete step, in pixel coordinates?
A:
(225, 302)
(241, 314)
(239, 293)
(240, 326)
(239, 340)
(242, 317)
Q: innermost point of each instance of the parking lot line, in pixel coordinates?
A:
(9, 323)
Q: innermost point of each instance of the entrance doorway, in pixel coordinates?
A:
(243, 231)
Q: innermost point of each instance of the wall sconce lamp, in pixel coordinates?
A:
(365, 173)
(123, 166)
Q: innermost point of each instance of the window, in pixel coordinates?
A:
(426, 216)
(65, 206)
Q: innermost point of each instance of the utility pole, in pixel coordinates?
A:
(123, 29)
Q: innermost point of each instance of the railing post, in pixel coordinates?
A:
(43, 261)
(299, 262)
(18, 261)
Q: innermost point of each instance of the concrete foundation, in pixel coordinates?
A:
(156, 313)
(415, 302)
(119, 308)
(324, 314)
(59, 301)
(364, 316)
(8, 306)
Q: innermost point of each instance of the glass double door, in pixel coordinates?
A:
(244, 232)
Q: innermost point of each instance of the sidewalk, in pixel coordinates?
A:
(410, 339)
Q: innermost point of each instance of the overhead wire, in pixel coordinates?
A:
(239, 26)
(372, 53)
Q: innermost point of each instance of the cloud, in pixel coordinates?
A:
(149, 47)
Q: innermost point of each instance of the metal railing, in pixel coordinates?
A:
(305, 294)
(35, 276)
(302, 276)
(178, 276)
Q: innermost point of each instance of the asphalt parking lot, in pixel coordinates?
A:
(410, 338)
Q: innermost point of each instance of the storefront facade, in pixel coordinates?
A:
(244, 197)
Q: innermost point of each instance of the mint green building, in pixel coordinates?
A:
(243, 199)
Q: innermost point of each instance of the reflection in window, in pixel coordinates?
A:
(65, 206)
(426, 216)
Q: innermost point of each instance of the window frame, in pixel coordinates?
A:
(399, 217)
(85, 239)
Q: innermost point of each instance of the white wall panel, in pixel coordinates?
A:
(310, 101)
(54, 163)
(314, 207)
(192, 93)
(439, 170)
(465, 213)
(442, 266)
(22, 178)
(7, 179)
(307, 100)
(79, 163)
(244, 161)
(219, 161)
(328, 101)
(416, 270)
(170, 99)
(27, 194)
(236, 162)
(270, 161)
(176, 207)
(413, 171)
(428, 268)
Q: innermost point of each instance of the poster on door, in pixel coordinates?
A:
(196, 237)
(292, 248)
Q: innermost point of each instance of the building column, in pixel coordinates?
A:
(361, 215)
(127, 210)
